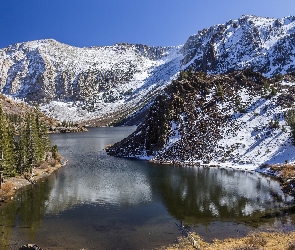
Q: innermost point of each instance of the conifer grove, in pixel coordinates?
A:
(19, 154)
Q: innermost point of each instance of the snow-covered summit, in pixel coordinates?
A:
(264, 44)
(103, 84)
(86, 83)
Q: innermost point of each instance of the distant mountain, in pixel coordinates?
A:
(82, 84)
(235, 119)
(104, 85)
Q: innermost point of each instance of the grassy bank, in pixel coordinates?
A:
(253, 241)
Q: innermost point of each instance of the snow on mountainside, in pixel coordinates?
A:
(101, 85)
(85, 83)
(236, 119)
(263, 44)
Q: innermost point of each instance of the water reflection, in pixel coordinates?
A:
(99, 181)
(26, 213)
(115, 203)
(202, 195)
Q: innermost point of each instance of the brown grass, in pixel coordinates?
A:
(287, 171)
(253, 241)
(6, 189)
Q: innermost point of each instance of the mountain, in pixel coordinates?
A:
(82, 84)
(266, 45)
(237, 119)
(105, 85)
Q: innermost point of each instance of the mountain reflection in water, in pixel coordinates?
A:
(115, 203)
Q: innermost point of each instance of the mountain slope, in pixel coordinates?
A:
(85, 83)
(103, 85)
(16, 111)
(263, 44)
(236, 119)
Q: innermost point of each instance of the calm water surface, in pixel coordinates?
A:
(103, 202)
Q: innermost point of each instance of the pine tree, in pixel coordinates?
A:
(7, 157)
(32, 138)
(30, 149)
(43, 138)
(22, 151)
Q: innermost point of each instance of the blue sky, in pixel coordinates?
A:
(86, 23)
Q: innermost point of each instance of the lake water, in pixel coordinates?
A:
(102, 202)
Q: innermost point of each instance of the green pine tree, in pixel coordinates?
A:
(43, 138)
(7, 150)
(32, 138)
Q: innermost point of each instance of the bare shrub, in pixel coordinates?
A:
(7, 189)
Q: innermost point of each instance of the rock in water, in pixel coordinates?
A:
(30, 247)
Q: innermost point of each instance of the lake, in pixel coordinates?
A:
(101, 202)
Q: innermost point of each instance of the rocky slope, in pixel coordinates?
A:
(103, 85)
(236, 119)
(17, 110)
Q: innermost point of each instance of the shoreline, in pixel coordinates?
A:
(284, 173)
(271, 240)
(11, 185)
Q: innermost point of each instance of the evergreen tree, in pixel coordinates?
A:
(22, 151)
(31, 147)
(31, 135)
(7, 157)
(43, 138)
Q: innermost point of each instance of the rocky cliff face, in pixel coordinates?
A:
(102, 85)
(263, 44)
(236, 119)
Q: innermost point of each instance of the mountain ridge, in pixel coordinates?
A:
(101, 85)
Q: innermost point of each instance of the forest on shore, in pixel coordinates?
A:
(24, 143)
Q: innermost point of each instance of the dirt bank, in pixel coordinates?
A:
(12, 184)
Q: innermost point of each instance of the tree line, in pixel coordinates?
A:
(19, 154)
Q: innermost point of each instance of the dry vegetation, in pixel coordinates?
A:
(286, 175)
(286, 171)
(7, 189)
(11, 185)
(254, 241)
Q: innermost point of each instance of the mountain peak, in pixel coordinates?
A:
(90, 82)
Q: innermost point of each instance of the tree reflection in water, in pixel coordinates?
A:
(202, 195)
(26, 212)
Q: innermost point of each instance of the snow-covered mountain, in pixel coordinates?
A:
(101, 85)
(266, 45)
(236, 119)
(81, 84)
